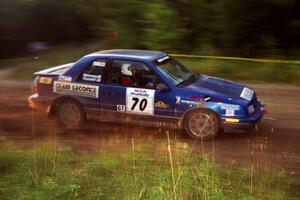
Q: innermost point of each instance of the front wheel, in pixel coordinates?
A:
(70, 115)
(202, 124)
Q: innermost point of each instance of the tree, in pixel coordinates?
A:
(162, 29)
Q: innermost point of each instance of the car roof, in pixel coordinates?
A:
(129, 53)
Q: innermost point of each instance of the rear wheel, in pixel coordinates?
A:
(70, 115)
(202, 124)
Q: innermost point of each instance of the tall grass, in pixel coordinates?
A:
(167, 172)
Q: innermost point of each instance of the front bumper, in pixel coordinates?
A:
(244, 123)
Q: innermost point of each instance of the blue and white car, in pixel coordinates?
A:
(142, 87)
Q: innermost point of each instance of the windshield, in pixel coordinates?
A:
(176, 72)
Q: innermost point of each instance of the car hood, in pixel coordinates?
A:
(219, 88)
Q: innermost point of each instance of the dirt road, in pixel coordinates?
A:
(276, 144)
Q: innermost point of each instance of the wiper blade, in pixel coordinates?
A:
(187, 81)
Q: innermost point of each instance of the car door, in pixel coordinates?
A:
(135, 100)
(113, 95)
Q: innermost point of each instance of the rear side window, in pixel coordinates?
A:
(95, 71)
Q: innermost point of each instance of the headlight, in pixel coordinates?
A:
(251, 109)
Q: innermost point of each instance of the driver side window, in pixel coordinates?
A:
(132, 74)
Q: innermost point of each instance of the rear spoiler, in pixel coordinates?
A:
(58, 70)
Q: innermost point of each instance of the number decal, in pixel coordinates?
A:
(140, 101)
(121, 108)
(136, 100)
(143, 104)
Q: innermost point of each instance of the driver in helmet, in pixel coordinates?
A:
(128, 75)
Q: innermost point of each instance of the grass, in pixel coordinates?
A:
(245, 71)
(23, 68)
(139, 172)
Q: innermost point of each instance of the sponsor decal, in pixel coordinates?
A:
(91, 77)
(161, 104)
(99, 64)
(247, 94)
(196, 98)
(65, 78)
(178, 98)
(229, 109)
(76, 89)
(121, 108)
(140, 101)
(163, 59)
(179, 101)
(139, 92)
(45, 80)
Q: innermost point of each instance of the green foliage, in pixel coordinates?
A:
(124, 18)
(161, 26)
(251, 28)
(44, 173)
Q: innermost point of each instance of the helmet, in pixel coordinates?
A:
(126, 69)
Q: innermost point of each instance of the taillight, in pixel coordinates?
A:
(36, 84)
(36, 89)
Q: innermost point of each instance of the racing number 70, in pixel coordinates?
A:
(142, 104)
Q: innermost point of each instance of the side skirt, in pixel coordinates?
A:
(125, 118)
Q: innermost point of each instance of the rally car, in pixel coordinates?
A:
(149, 88)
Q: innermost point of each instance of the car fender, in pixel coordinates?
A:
(200, 106)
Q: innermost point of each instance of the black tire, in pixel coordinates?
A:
(201, 124)
(70, 115)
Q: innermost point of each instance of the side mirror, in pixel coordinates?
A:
(162, 87)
